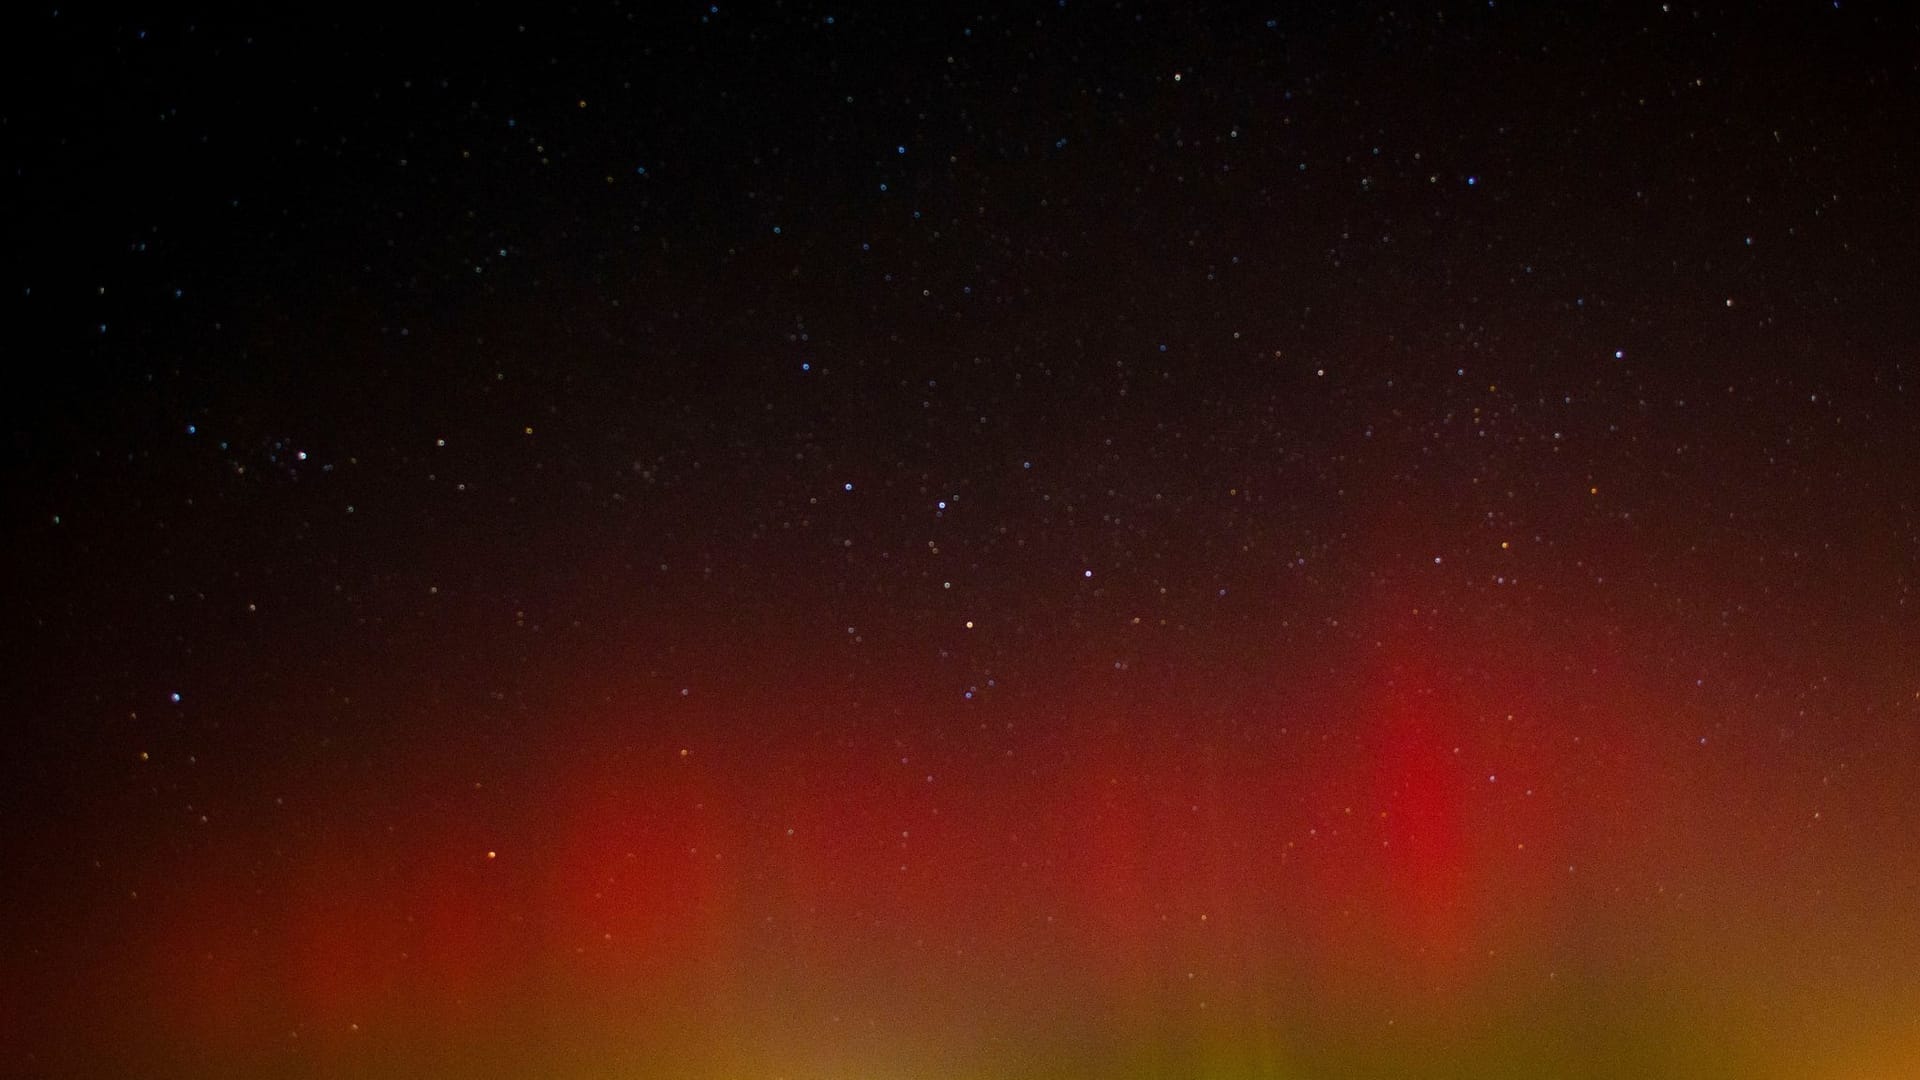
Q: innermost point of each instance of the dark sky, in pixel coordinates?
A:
(1055, 541)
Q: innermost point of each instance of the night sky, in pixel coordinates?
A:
(1080, 540)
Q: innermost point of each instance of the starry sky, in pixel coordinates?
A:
(1071, 540)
